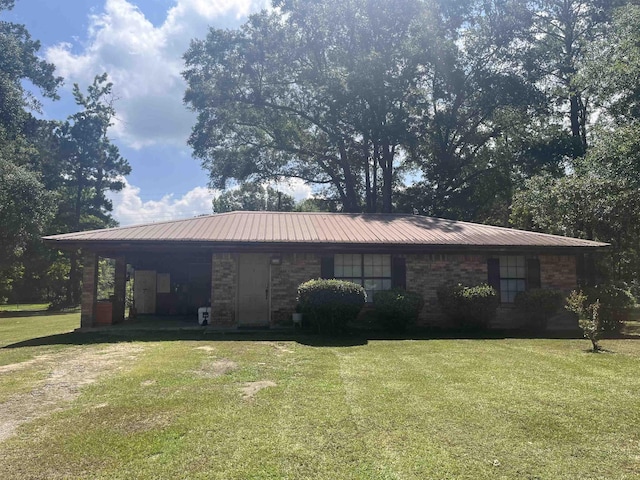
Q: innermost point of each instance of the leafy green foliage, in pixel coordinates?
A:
(587, 205)
(253, 197)
(25, 209)
(397, 309)
(588, 316)
(92, 166)
(537, 305)
(19, 61)
(106, 278)
(615, 302)
(468, 307)
(330, 304)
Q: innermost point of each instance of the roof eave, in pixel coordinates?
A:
(185, 245)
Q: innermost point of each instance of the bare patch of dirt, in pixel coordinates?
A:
(217, 368)
(147, 383)
(280, 347)
(249, 389)
(206, 348)
(14, 367)
(68, 372)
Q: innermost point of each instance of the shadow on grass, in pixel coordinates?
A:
(358, 338)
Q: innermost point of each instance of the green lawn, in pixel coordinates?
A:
(27, 307)
(235, 407)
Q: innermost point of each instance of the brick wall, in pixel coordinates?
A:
(295, 268)
(558, 272)
(224, 281)
(425, 273)
(89, 290)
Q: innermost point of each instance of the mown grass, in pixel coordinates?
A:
(27, 307)
(382, 409)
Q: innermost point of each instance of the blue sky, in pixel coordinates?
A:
(139, 43)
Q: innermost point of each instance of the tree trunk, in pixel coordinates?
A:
(387, 178)
(352, 202)
(577, 130)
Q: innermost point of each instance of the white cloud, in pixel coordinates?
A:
(144, 63)
(294, 187)
(129, 208)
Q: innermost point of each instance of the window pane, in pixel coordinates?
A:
(347, 265)
(377, 265)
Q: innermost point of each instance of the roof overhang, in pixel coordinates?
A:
(161, 246)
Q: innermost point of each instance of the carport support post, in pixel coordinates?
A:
(89, 290)
(120, 283)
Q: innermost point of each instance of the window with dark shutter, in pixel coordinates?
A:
(399, 273)
(326, 267)
(493, 270)
(533, 273)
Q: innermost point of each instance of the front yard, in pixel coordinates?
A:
(187, 405)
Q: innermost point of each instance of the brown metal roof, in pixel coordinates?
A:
(321, 228)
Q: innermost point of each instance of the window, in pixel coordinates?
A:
(372, 271)
(513, 277)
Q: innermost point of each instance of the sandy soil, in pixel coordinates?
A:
(67, 373)
(250, 389)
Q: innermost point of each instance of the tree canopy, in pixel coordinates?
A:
(253, 197)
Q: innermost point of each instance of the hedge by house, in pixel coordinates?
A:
(468, 307)
(397, 309)
(538, 305)
(328, 305)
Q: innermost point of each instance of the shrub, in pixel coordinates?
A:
(615, 300)
(329, 305)
(397, 309)
(469, 307)
(588, 317)
(538, 304)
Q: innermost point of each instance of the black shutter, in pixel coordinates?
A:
(399, 272)
(326, 267)
(533, 273)
(493, 273)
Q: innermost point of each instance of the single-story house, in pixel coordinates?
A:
(247, 265)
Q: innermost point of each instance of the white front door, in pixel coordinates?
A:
(254, 289)
(144, 291)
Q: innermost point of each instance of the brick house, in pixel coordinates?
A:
(248, 265)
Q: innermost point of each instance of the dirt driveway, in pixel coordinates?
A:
(66, 373)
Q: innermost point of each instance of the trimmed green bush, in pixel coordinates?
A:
(397, 309)
(614, 304)
(538, 305)
(328, 305)
(469, 307)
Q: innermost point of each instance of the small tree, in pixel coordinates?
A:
(588, 317)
